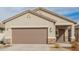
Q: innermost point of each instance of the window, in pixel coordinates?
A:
(28, 16)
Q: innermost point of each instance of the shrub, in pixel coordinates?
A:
(1, 42)
(57, 46)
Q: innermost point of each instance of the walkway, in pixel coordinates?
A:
(32, 47)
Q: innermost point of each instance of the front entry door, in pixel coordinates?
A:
(61, 36)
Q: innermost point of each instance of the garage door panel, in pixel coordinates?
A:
(30, 36)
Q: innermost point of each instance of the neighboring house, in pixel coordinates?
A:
(77, 32)
(2, 28)
(39, 26)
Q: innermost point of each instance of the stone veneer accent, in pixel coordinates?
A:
(51, 40)
(73, 39)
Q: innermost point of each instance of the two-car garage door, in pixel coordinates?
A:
(29, 35)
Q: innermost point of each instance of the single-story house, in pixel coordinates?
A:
(39, 26)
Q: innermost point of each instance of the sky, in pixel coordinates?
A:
(70, 12)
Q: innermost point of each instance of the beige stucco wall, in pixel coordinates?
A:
(59, 21)
(29, 20)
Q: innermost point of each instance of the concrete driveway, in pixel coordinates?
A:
(32, 47)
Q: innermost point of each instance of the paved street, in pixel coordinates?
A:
(32, 47)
